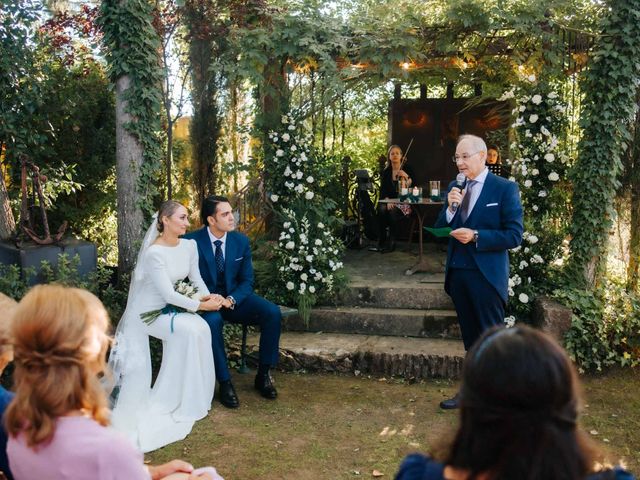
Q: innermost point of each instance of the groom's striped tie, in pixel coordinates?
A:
(219, 256)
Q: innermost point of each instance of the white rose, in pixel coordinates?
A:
(293, 148)
(309, 195)
(542, 193)
(279, 152)
(528, 183)
(523, 297)
(309, 258)
(303, 277)
(320, 225)
(544, 131)
(531, 78)
(510, 321)
(533, 118)
(535, 208)
(309, 179)
(318, 242)
(522, 108)
(286, 137)
(312, 289)
(536, 99)
(286, 224)
(554, 177)
(535, 172)
(290, 245)
(532, 239)
(549, 157)
(303, 287)
(274, 197)
(290, 286)
(552, 95)
(291, 127)
(285, 119)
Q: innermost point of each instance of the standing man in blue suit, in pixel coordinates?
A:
(226, 268)
(486, 224)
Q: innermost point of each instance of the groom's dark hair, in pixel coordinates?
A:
(209, 207)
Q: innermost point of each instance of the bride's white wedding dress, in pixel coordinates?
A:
(183, 390)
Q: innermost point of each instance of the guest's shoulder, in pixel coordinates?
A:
(420, 467)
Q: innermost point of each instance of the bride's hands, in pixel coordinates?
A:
(211, 303)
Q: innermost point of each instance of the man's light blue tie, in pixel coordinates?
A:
(466, 201)
(219, 256)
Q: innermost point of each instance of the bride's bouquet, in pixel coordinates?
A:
(183, 287)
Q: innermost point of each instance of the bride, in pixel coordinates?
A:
(156, 416)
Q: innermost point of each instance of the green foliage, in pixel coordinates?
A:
(605, 328)
(132, 46)
(609, 103)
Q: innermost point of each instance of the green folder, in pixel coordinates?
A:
(439, 232)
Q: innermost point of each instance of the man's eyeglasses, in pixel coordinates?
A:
(463, 158)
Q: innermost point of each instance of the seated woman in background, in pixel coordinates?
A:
(58, 420)
(518, 414)
(7, 307)
(390, 214)
(494, 161)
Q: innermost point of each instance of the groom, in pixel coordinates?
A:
(225, 266)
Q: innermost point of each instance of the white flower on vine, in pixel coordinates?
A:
(285, 119)
(303, 277)
(544, 131)
(320, 225)
(554, 177)
(303, 287)
(511, 292)
(536, 259)
(522, 108)
(309, 258)
(293, 148)
(532, 239)
(533, 118)
(523, 297)
(552, 95)
(287, 171)
(309, 195)
(291, 127)
(290, 245)
(309, 179)
(531, 78)
(535, 172)
(526, 249)
(527, 133)
(312, 289)
(290, 286)
(528, 183)
(510, 321)
(286, 224)
(274, 197)
(299, 174)
(535, 208)
(523, 265)
(286, 137)
(549, 157)
(291, 230)
(542, 193)
(318, 242)
(303, 156)
(279, 152)
(536, 99)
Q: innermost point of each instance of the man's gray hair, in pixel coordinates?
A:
(477, 142)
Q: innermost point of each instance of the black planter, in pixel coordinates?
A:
(32, 255)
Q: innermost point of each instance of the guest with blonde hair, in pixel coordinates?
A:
(58, 421)
(7, 306)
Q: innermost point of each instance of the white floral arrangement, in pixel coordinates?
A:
(308, 255)
(540, 168)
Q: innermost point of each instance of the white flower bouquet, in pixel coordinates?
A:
(183, 287)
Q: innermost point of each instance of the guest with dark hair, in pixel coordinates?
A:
(226, 268)
(494, 161)
(58, 420)
(518, 416)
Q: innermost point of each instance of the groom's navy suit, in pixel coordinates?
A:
(238, 282)
(477, 274)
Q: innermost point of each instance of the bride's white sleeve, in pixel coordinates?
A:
(157, 271)
(194, 270)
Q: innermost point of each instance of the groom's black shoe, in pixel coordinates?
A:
(228, 396)
(264, 384)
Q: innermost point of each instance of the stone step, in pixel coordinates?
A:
(421, 295)
(378, 321)
(410, 358)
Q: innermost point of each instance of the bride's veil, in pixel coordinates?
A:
(130, 359)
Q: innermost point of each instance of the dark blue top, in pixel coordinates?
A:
(419, 467)
(5, 397)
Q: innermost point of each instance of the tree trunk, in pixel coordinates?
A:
(7, 221)
(633, 164)
(129, 153)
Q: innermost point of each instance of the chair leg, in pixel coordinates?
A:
(243, 351)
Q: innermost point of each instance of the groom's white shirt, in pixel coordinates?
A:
(223, 239)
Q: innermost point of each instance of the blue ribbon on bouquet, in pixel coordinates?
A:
(173, 310)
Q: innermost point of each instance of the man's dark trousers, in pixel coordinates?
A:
(254, 310)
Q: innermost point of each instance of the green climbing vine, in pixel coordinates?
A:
(132, 46)
(609, 98)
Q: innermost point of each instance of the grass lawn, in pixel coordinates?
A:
(337, 427)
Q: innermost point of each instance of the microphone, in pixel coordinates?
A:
(460, 179)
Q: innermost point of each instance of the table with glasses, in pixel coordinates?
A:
(420, 209)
